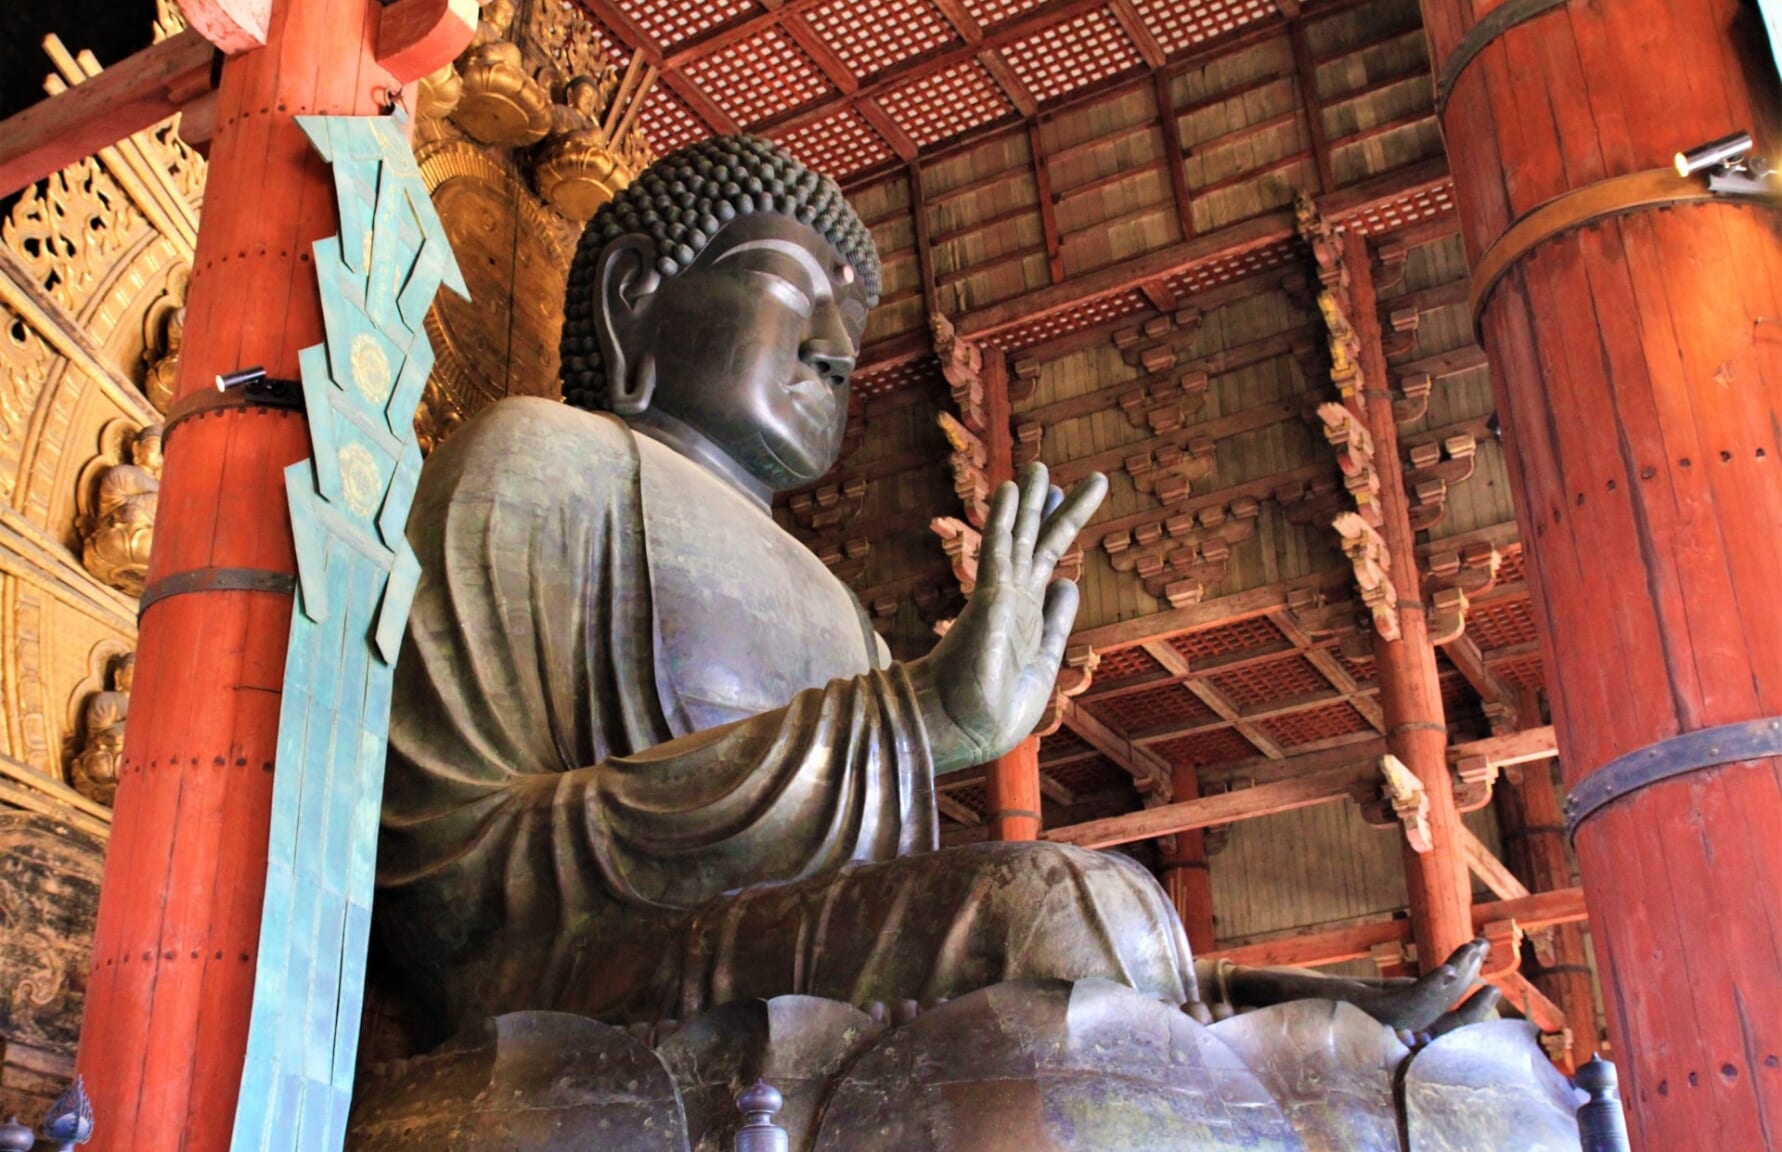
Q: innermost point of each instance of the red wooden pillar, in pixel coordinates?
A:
(172, 974)
(1185, 874)
(1533, 830)
(1440, 887)
(1638, 371)
(1012, 793)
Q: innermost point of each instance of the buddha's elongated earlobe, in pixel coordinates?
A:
(626, 281)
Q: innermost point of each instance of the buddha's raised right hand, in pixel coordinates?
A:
(984, 686)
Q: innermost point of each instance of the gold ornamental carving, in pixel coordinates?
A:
(577, 169)
(94, 772)
(502, 103)
(514, 259)
(438, 93)
(117, 502)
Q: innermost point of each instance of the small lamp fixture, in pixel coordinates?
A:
(1730, 166)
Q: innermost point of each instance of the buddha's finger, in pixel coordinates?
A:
(993, 547)
(1065, 523)
(1060, 614)
(1034, 488)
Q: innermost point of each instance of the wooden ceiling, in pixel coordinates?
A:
(854, 85)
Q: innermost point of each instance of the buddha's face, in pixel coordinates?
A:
(752, 345)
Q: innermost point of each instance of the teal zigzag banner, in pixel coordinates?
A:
(356, 577)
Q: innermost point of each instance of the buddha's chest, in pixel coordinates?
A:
(746, 616)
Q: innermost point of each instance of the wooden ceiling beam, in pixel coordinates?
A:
(1245, 236)
(1487, 867)
(957, 810)
(1142, 764)
(1245, 605)
(1463, 652)
(1221, 808)
(1011, 84)
(138, 92)
(1175, 663)
(1306, 71)
(1126, 13)
(1356, 941)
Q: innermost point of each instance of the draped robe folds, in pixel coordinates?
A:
(646, 758)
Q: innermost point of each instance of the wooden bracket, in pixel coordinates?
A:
(1400, 788)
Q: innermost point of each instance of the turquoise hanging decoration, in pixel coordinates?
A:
(356, 578)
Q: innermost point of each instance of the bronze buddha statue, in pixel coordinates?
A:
(646, 754)
(647, 757)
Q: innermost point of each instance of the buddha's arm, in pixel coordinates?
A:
(841, 773)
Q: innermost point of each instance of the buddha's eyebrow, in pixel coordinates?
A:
(819, 276)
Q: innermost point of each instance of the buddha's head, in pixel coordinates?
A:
(726, 288)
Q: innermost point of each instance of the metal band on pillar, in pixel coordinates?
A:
(216, 580)
(286, 395)
(1668, 759)
(1498, 21)
(1569, 211)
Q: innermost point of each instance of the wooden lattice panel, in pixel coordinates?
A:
(671, 22)
(1123, 665)
(947, 103)
(1060, 744)
(1225, 269)
(1414, 208)
(838, 145)
(1179, 24)
(872, 35)
(1277, 680)
(973, 796)
(668, 123)
(1138, 711)
(910, 374)
(1234, 637)
(988, 12)
(1500, 624)
(1220, 746)
(1092, 314)
(758, 77)
(1361, 671)
(1513, 568)
(1087, 777)
(1071, 55)
(618, 53)
(1526, 673)
(1315, 724)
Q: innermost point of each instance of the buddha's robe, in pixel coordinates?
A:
(646, 756)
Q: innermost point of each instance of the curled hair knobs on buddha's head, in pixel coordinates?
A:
(680, 202)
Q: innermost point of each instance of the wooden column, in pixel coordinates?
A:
(1186, 876)
(1012, 793)
(1638, 367)
(1534, 846)
(1439, 885)
(172, 975)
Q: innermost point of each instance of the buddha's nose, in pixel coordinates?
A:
(833, 363)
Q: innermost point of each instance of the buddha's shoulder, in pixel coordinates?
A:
(528, 438)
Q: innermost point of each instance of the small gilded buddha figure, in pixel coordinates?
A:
(646, 754)
(122, 528)
(94, 772)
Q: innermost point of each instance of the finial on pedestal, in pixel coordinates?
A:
(16, 1137)
(759, 1133)
(1601, 1125)
(70, 1119)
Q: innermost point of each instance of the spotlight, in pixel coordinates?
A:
(1730, 167)
(1723, 153)
(240, 378)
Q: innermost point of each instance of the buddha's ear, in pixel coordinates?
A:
(627, 280)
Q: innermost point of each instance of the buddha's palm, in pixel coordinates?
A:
(986, 683)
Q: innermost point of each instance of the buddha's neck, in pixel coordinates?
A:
(681, 437)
